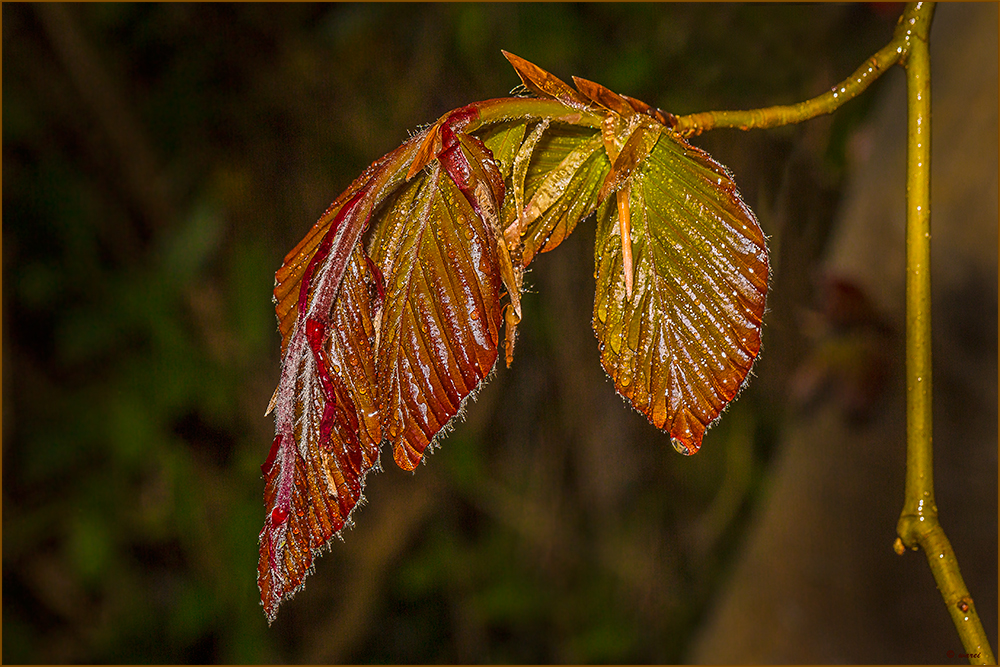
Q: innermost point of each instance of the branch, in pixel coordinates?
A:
(891, 54)
(918, 525)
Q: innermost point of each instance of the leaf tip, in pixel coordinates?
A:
(273, 402)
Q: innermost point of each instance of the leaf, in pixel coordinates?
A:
(340, 227)
(604, 97)
(561, 187)
(314, 477)
(440, 323)
(503, 141)
(390, 308)
(680, 348)
(384, 342)
(544, 84)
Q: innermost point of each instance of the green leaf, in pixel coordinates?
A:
(562, 184)
(682, 346)
(503, 140)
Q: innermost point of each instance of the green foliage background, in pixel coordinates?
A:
(140, 346)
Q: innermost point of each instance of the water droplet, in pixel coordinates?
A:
(616, 343)
(474, 315)
(625, 379)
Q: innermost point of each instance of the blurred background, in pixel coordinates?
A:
(159, 160)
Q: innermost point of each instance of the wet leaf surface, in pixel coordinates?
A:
(390, 308)
(682, 346)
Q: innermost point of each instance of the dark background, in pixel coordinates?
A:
(160, 160)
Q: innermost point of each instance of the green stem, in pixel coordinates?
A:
(889, 55)
(918, 525)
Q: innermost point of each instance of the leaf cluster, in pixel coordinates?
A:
(390, 307)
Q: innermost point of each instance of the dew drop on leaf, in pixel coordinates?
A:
(616, 343)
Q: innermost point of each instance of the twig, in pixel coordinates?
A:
(889, 55)
(918, 525)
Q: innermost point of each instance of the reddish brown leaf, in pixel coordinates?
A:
(440, 323)
(604, 97)
(544, 84)
(390, 307)
(328, 437)
(384, 344)
(340, 227)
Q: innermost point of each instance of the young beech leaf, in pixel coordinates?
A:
(379, 343)
(561, 187)
(680, 347)
(543, 84)
(314, 477)
(390, 308)
(441, 318)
